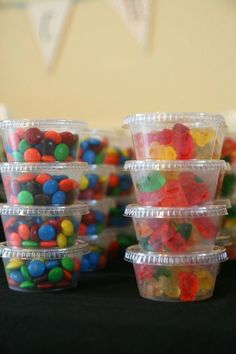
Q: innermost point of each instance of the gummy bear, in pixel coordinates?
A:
(206, 280)
(162, 152)
(143, 272)
(201, 136)
(189, 285)
(144, 229)
(206, 227)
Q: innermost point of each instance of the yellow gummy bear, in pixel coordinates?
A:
(202, 136)
(170, 287)
(162, 152)
(14, 264)
(144, 230)
(206, 280)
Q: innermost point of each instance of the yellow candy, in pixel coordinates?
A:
(67, 227)
(103, 179)
(125, 153)
(202, 136)
(230, 223)
(14, 264)
(206, 280)
(61, 240)
(170, 287)
(84, 182)
(162, 152)
(111, 150)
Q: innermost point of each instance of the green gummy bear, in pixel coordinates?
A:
(162, 272)
(152, 182)
(185, 230)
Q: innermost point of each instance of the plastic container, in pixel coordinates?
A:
(120, 184)
(176, 136)
(41, 226)
(95, 221)
(180, 278)
(42, 270)
(93, 185)
(116, 217)
(41, 140)
(176, 230)
(96, 258)
(175, 183)
(42, 183)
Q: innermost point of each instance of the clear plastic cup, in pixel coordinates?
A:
(175, 183)
(116, 217)
(42, 183)
(176, 136)
(41, 140)
(176, 230)
(42, 226)
(95, 221)
(42, 270)
(120, 184)
(93, 185)
(179, 278)
(96, 258)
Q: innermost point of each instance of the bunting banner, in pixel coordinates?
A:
(136, 15)
(48, 20)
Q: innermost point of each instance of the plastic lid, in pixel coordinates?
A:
(136, 211)
(173, 117)
(100, 169)
(43, 166)
(223, 241)
(101, 203)
(26, 253)
(140, 165)
(43, 123)
(215, 255)
(24, 210)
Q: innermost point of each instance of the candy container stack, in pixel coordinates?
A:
(229, 191)
(176, 220)
(42, 216)
(93, 190)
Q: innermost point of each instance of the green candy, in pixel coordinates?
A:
(55, 274)
(27, 284)
(198, 179)
(232, 212)
(18, 156)
(185, 230)
(25, 272)
(61, 152)
(162, 272)
(23, 146)
(68, 264)
(30, 243)
(99, 229)
(144, 244)
(70, 241)
(25, 198)
(99, 158)
(228, 185)
(115, 191)
(114, 211)
(126, 240)
(152, 182)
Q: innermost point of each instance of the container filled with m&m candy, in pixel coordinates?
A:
(120, 183)
(42, 226)
(93, 185)
(42, 183)
(41, 141)
(176, 277)
(175, 183)
(176, 230)
(42, 270)
(176, 136)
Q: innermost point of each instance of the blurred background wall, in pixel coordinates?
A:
(102, 75)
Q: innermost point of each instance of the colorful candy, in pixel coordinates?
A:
(96, 259)
(120, 184)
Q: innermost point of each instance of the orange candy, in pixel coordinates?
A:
(41, 179)
(32, 155)
(54, 136)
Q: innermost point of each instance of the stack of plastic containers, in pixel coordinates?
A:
(42, 214)
(175, 178)
(93, 189)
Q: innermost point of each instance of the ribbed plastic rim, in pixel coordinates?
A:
(173, 117)
(216, 255)
(51, 253)
(136, 211)
(43, 123)
(223, 241)
(43, 166)
(101, 169)
(142, 165)
(80, 208)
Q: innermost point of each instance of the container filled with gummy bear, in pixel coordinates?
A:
(42, 270)
(176, 230)
(120, 183)
(93, 185)
(42, 226)
(41, 140)
(95, 221)
(176, 277)
(176, 136)
(175, 183)
(42, 183)
(96, 258)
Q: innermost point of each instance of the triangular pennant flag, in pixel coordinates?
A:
(48, 19)
(136, 15)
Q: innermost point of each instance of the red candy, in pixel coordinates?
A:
(76, 264)
(67, 138)
(67, 275)
(23, 231)
(189, 285)
(48, 158)
(14, 239)
(113, 180)
(34, 232)
(48, 244)
(32, 155)
(33, 135)
(206, 227)
(144, 272)
(67, 185)
(54, 136)
(41, 179)
(26, 177)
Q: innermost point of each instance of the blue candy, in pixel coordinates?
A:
(52, 264)
(58, 198)
(94, 142)
(89, 156)
(92, 180)
(17, 276)
(84, 145)
(46, 232)
(91, 229)
(60, 178)
(50, 187)
(84, 264)
(38, 220)
(36, 268)
(99, 217)
(93, 258)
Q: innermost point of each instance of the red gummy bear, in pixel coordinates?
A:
(163, 137)
(182, 142)
(151, 198)
(143, 272)
(197, 194)
(174, 242)
(173, 195)
(189, 285)
(206, 227)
